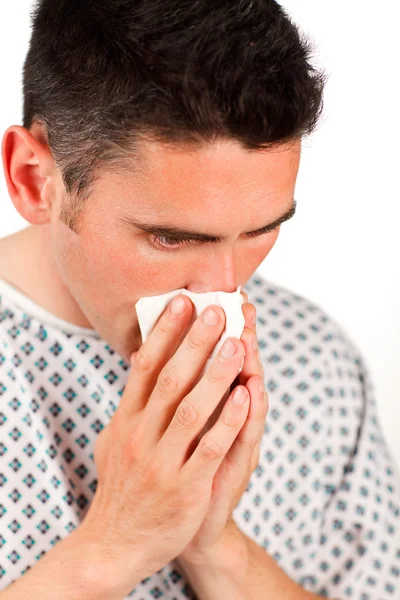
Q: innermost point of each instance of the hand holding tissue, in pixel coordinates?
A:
(150, 308)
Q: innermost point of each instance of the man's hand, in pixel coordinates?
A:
(232, 477)
(155, 478)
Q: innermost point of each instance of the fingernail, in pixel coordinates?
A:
(254, 343)
(239, 397)
(261, 386)
(210, 317)
(178, 305)
(228, 349)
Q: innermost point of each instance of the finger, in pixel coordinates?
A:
(196, 408)
(252, 431)
(252, 363)
(180, 375)
(216, 443)
(249, 315)
(165, 337)
(245, 297)
(251, 434)
(248, 311)
(243, 456)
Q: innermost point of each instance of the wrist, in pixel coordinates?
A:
(101, 576)
(231, 555)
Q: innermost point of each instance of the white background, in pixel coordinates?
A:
(342, 248)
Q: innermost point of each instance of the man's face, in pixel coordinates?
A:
(222, 190)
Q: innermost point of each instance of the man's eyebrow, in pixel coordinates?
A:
(177, 233)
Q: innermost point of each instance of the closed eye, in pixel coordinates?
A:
(173, 244)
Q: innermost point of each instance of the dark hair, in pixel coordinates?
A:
(104, 75)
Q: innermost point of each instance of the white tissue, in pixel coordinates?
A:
(150, 308)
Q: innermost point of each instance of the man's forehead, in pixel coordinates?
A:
(225, 157)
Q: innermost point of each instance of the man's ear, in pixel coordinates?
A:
(30, 172)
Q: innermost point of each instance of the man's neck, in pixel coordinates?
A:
(27, 263)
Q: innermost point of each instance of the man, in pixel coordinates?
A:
(159, 150)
